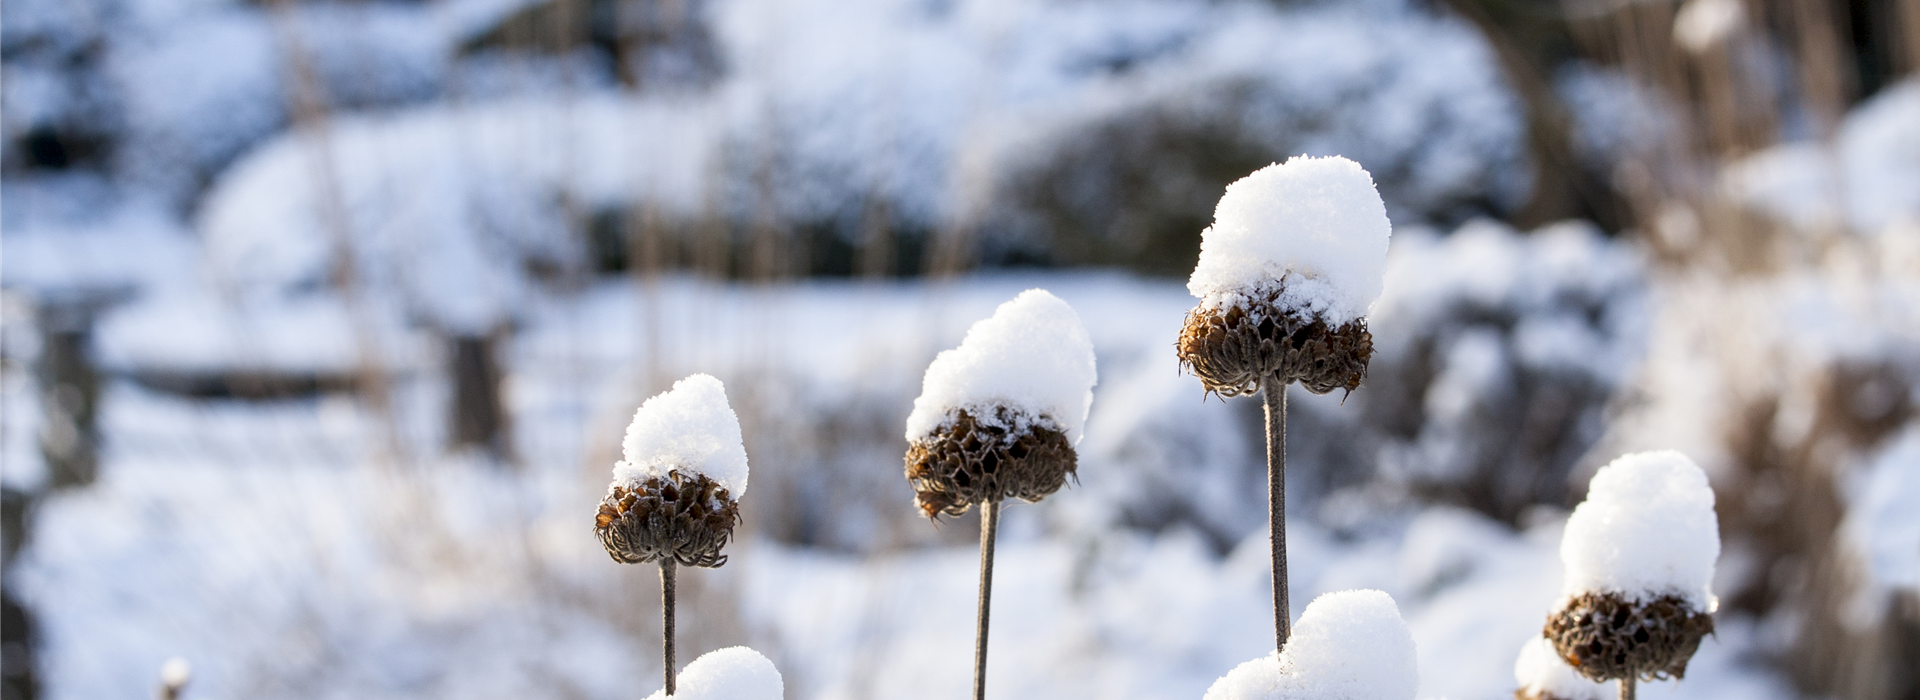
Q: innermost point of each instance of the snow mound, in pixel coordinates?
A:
(1541, 672)
(1317, 224)
(1647, 528)
(733, 673)
(690, 428)
(1031, 355)
(1883, 525)
(1349, 645)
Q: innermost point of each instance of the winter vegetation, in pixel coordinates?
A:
(323, 326)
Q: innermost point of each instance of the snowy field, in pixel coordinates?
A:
(267, 543)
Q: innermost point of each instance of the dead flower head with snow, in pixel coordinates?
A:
(998, 417)
(676, 494)
(1287, 271)
(1639, 556)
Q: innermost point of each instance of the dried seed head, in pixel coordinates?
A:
(684, 518)
(968, 461)
(1230, 347)
(1605, 636)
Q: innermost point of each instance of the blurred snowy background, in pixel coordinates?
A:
(322, 320)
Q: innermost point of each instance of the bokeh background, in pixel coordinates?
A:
(323, 319)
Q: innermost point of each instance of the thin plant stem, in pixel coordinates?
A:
(666, 610)
(1274, 395)
(1626, 688)
(989, 524)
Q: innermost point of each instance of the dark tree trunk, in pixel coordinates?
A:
(69, 395)
(477, 415)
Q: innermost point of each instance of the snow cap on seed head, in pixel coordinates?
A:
(1032, 355)
(733, 673)
(689, 428)
(1350, 645)
(1646, 529)
(1543, 675)
(1315, 224)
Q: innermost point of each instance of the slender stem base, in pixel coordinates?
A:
(989, 525)
(1627, 688)
(666, 607)
(1274, 394)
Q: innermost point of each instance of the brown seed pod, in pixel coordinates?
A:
(1605, 636)
(1231, 347)
(685, 518)
(968, 462)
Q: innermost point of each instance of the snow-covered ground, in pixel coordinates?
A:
(285, 557)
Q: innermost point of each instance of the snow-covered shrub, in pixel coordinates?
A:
(1876, 155)
(1098, 132)
(1131, 179)
(483, 192)
(1496, 354)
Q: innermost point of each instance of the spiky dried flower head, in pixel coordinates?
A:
(974, 458)
(1609, 636)
(684, 516)
(1232, 346)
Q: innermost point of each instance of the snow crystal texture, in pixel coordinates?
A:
(1032, 355)
(733, 673)
(1315, 223)
(1647, 528)
(1540, 669)
(690, 428)
(1349, 645)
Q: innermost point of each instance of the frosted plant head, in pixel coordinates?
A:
(733, 673)
(676, 493)
(1542, 675)
(1350, 644)
(174, 675)
(1293, 261)
(998, 416)
(1647, 527)
(1639, 556)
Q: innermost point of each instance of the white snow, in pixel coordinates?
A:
(1349, 645)
(175, 672)
(1647, 528)
(1540, 669)
(1868, 181)
(473, 188)
(690, 428)
(1316, 224)
(1883, 525)
(733, 673)
(1032, 355)
(1701, 24)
